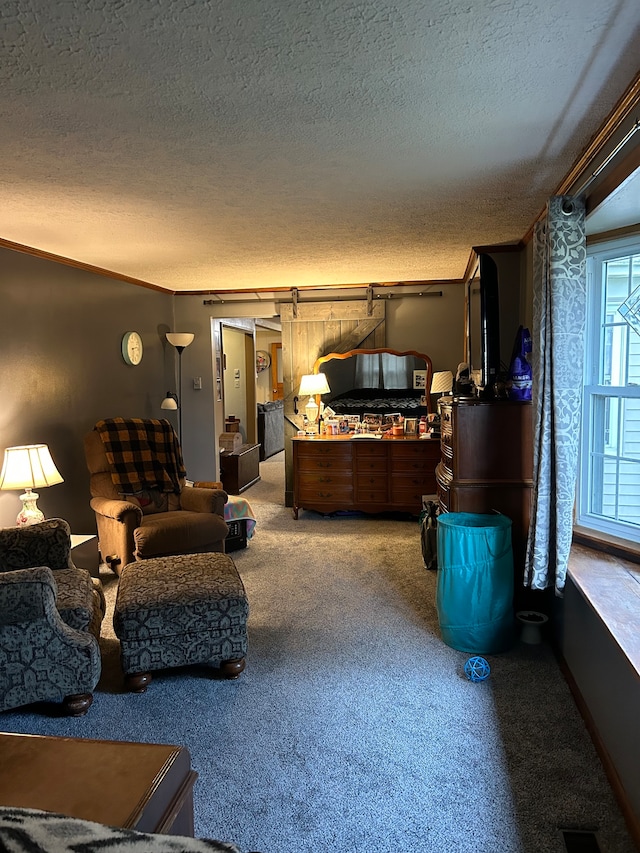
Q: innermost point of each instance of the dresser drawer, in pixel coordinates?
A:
(372, 481)
(366, 448)
(446, 419)
(323, 450)
(446, 443)
(410, 498)
(421, 449)
(311, 494)
(443, 499)
(416, 484)
(324, 478)
(425, 466)
(323, 457)
(371, 463)
(373, 496)
(443, 484)
(447, 464)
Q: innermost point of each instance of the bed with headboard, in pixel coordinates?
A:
(379, 382)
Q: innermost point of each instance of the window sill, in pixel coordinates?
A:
(598, 541)
(611, 585)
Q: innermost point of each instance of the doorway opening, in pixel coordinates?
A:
(239, 385)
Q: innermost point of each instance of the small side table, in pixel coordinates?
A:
(240, 468)
(71, 775)
(84, 552)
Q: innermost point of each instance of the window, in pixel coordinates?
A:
(609, 478)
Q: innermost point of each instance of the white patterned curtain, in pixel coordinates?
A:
(384, 370)
(397, 370)
(559, 307)
(368, 371)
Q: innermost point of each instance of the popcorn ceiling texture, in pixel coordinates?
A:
(218, 145)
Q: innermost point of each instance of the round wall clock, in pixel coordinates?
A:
(132, 348)
(263, 360)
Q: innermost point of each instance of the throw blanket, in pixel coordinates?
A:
(144, 455)
(48, 832)
(238, 508)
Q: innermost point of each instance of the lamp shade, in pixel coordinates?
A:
(169, 402)
(442, 382)
(180, 339)
(29, 466)
(313, 383)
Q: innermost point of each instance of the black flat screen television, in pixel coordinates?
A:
(483, 326)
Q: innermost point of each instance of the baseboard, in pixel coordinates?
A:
(632, 821)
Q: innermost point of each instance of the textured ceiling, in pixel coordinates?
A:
(223, 144)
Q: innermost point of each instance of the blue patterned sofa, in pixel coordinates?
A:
(50, 618)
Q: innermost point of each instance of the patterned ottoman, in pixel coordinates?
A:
(175, 611)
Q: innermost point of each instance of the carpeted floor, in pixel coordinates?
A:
(353, 727)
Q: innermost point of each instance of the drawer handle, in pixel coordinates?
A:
(325, 464)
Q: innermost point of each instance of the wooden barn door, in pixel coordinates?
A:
(311, 330)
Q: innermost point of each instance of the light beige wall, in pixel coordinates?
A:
(235, 379)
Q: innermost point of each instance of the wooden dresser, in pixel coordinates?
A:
(487, 462)
(367, 474)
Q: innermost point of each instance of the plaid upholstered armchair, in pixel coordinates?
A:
(143, 507)
(50, 617)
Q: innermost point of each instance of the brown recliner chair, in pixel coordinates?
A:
(132, 528)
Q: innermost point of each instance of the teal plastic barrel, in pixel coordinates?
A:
(474, 590)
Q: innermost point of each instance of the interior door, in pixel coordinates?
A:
(277, 388)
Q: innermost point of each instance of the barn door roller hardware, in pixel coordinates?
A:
(333, 295)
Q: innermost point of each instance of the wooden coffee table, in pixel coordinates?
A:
(147, 787)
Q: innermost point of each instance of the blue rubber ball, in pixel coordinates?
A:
(477, 669)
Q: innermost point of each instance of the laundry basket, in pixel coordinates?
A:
(474, 588)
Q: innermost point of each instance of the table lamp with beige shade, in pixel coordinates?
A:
(442, 382)
(313, 384)
(28, 467)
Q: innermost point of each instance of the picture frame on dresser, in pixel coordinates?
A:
(410, 426)
(372, 420)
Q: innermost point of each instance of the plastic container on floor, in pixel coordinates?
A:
(474, 590)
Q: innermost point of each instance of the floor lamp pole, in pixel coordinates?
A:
(180, 349)
(180, 340)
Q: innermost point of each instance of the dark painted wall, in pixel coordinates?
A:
(609, 685)
(198, 418)
(61, 368)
